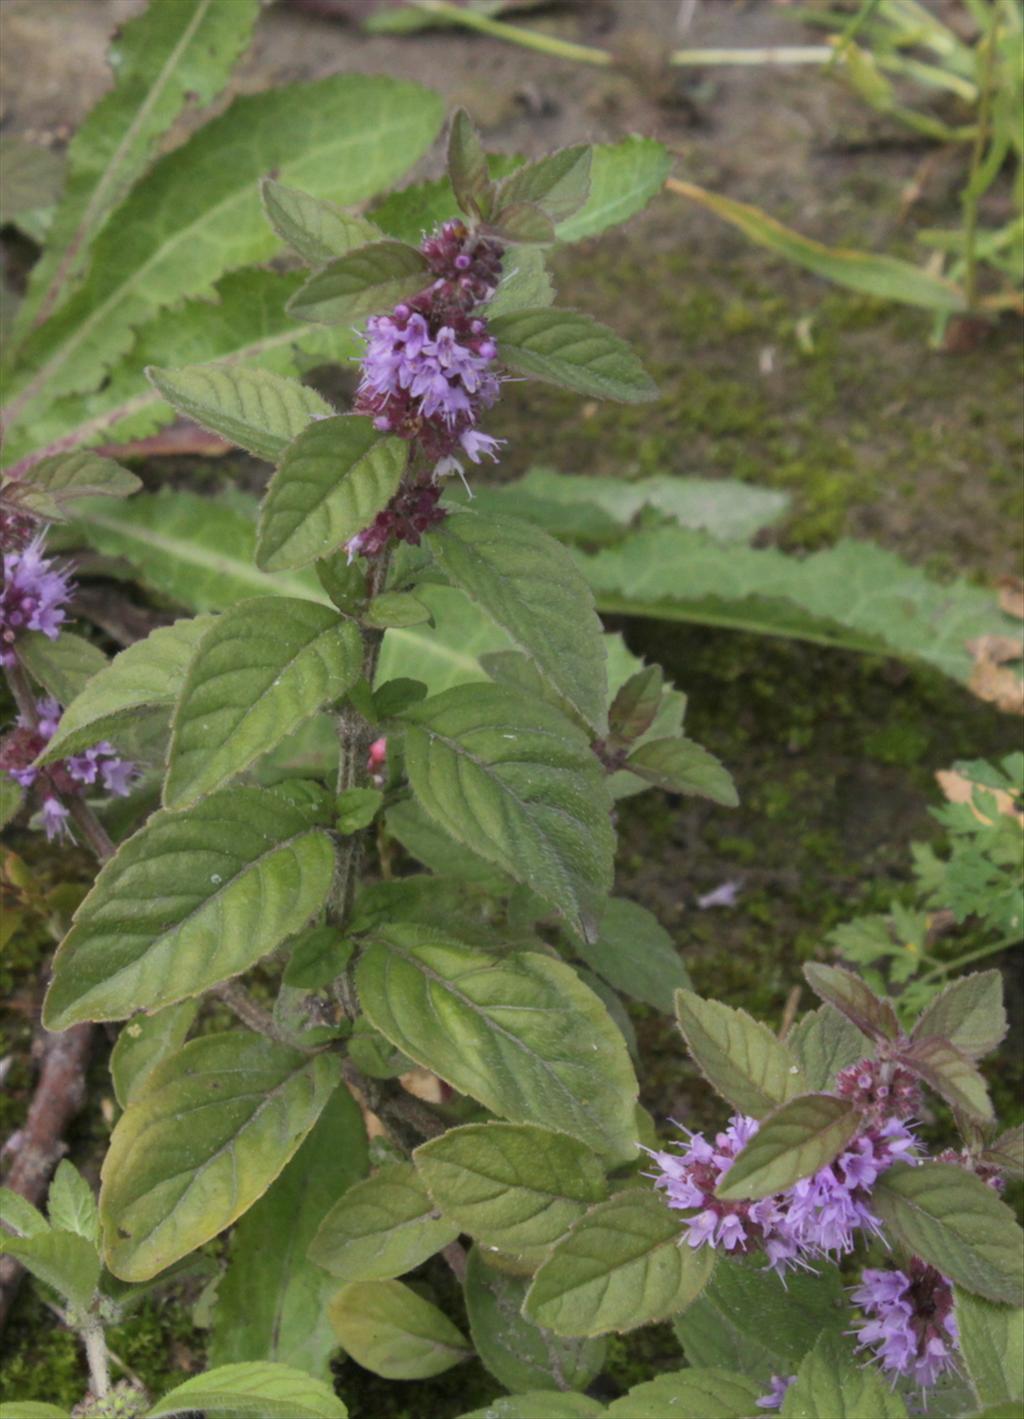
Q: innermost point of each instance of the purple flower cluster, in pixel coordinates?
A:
(911, 1326)
(773, 1399)
(33, 598)
(880, 1089)
(98, 765)
(818, 1216)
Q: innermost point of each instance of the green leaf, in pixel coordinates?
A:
(849, 995)
(31, 178)
(467, 167)
(252, 1391)
(573, 351)
(381, 1228)
(192, 899)
(991, 1340)
(145, 677)
(260, 670)
(689, 1394)
(795, 1141)
(31, 1409)
(170, 54)
(364, 281)
(558, 184)
(395, 608)
(444, 655)
(272, 1302)
(521, 1034)
(523, 222)
(512, 1186)
(525, 282)
(636, 703)
(951, 1219)
(195, 550)
(623, 178)
(317, 230)
(738, 1056)
(332, 482)
(885, 276)
(832, 1384)
(51, 487)
(71, 1205)
(21, 1216)
(527, 582)
(64, 1260)
(544, 1404)
(357, 808)
(824, 1042)
(194, 217)
(260, 411)
(516, 782)
(146, 1042)
(12, 797)
(635, 954)
(620, 1267)
(392, 1331)
(951, 1074)
(681, 766)
(969, 1013)
(63, 667)
(520, 1355)
(318, 956)
(204, 1139)
(1007, 1152)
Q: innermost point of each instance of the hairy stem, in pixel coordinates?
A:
(238, 1000)
(96, 1354)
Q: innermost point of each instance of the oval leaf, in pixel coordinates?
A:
(146, 1042)
(558, 184)
(573, 351)
(257, 409)
(392, 1331)
(792, 1143)
(252, 1391)
(51, 487)
(370, 278)
(316, 229)
(682, 766)
(381, 1227)
(832, 1384)
(951, 1074)
(738, 1056)
(852, 998)
(635, 954)
(969, 1013)
(690, 1394)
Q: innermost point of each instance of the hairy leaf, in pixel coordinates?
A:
(64, 666)
(824, 1042)
(32, 1409)
(317, 230)
(252, 1391)
(559, 184)
(795, 1141)
(951, 1074)
(146, 1042)
(20, 1216)
(635, 954)
(260, 411)
(365, 280)
(71, 1205)
(201, 1142)
(574, 351)
(52, 486)
(64, 1260)
(389, 1329)
(849, 995)
(381, 1228)
(624, 177)
(467, 167)
(523, 222)
(969, 1013)
(681, 766)
(991, 1340)
(739, 1056)
(689, 1394)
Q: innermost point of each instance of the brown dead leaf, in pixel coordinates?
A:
(991, 680)
(423, 1085)
(996, 650)
(1011, 596)
(959, 789)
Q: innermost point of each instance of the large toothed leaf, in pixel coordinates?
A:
(516, 782)
(739, 1056)
(794, 1142)
(969, 1013)
(143, 679)
(690, 1394)
(192, 899)
(252, 1391)
(195, 215)
(558, 184)
(389, 1329)
(317, 230)
(332, 482)
(257, 409)
(620, 1267)
(513, 1186)
(568, 349)
(260, 670)
(368, 280)
(623, 179)
(381, 1227)
(206, 1137)
(521, 1033)
(953, 1220)
(529, 584)
(833, 1383)
(635, 954)
(51, 487)
(175, 51)
(682, 766)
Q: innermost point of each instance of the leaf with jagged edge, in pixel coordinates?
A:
(849, 995)
(51, 487)
(683, 766)
(176, 51)
(391, 1330)
(316, 230)
(192, 899)
(368, 279)
(71, 1204)
(573, 351)
(795, 1141)
(824, 1042)
(260, 411)
(739, 1056)
(525, 282)
(952, 1074)
(558, 184)
(969, 1013)
(64, 1260)
(252, 1391)
(196, 215)
(381, 1227)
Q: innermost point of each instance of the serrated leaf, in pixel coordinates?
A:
(636, 703)
(63, 666)
(1007, 1152)
(521, 1034)
(515, 1187)
(364, 281)
(689, 1394)
(558, 184)
(517, 783)
(525, 282)
(332, 482)
(144, 677)
(951, 1219)
(620, 1267)
(682, 766)
(520, 1355)
(380, 1228)
(635, 954)
(832, 1384)
(467, 167)
(169, 1186)
(191, 899)
(175, 51)
(951, 1074)
(523, 222)
(317, 230)
(20, 1215)
(793, 1142)
(146, 1042)
(739, 1056)
(260, 411)
(568, 349)
(991, 1340)
(252, 1391)
(389, 1329)
(544, 1404)
(64, 1260)
(527, 582)
(259, 671)
(272, 1302)
(70, 1204)
(969, 1013)
(623, 178)
(824, 1042)
(851, 997)
(51, 487)
(194, 217)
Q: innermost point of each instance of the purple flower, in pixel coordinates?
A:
(773, 1399)
(33, 598)
(55, 819)
(911, 1325)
